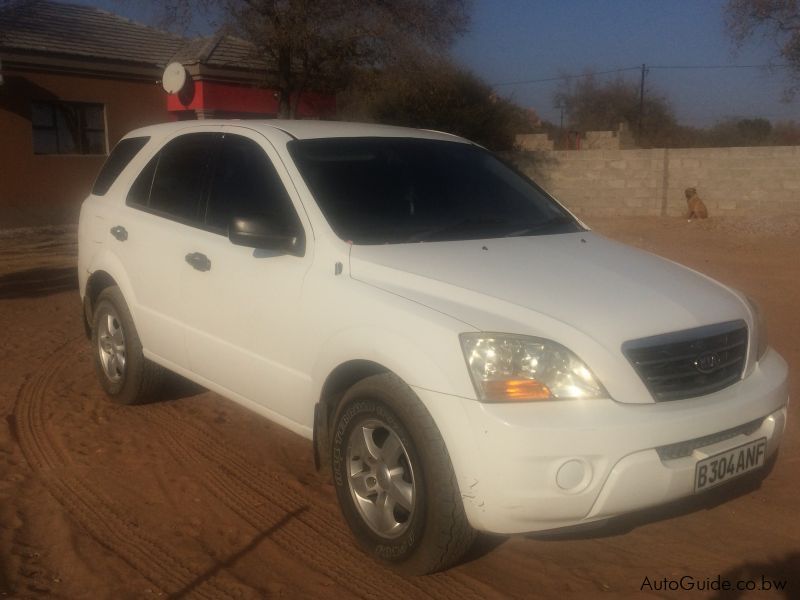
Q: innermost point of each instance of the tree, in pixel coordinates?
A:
(593, 106)
(739, 132)
(775, 20)
(429, 92)
(320, 42)
(786, 133)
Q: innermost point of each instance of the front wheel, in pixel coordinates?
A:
(394, 479)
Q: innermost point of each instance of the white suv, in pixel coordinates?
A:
(463, 352)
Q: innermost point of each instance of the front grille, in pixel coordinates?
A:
(690, 363)
(682, 449)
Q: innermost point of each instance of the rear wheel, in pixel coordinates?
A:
(125, 374)
(394, 480)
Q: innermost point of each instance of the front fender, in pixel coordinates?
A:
(439, 367)
(436, 372)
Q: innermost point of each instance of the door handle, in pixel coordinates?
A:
(120, 233)
(198, 261)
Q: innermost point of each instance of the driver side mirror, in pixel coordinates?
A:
(261, 233)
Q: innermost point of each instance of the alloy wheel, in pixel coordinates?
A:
(381, 478)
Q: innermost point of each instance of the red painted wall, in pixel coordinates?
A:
(230, 98)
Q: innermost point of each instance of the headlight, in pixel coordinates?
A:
(759, 332)
(506, 368)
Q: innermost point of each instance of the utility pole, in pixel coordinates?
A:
(641, 102)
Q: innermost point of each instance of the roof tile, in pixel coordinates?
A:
(75, 30)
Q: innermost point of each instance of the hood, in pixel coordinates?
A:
(543, 285)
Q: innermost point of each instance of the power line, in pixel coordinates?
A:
(563, 77)
(771, 66)
(660, 67)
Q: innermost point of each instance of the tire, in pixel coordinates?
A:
(394, 480)
(124, 373)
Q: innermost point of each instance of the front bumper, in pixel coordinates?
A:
(536, 466)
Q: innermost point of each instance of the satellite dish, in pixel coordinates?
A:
(174, 78)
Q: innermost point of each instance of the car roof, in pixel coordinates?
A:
(302, 129)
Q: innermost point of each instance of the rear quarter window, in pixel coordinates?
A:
(119, 158)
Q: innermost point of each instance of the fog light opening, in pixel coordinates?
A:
(574, 475)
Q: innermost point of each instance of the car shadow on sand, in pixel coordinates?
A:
(38, 282)
(780, 576)
(176, 387)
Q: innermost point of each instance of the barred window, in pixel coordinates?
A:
(68, 128)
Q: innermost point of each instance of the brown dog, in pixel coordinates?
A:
(697, 210)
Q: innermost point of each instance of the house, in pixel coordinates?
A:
(74, 79)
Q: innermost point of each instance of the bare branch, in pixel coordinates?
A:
(775, 21)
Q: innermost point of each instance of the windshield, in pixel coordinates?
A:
(401, 190)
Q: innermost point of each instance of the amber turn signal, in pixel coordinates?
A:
(505, 390)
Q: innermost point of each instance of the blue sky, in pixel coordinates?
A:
(514, 40)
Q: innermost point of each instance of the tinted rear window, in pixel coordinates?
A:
(122, 154)
(175, 180)
(139, 194)
(181, 176)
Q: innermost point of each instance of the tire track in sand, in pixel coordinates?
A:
(316, 537)
(95, 513)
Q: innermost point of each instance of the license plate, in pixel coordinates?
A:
(721, 467)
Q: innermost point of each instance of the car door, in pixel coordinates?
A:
(241, 307)
(164, 207)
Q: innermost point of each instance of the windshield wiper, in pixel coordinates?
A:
(554, 223)
(464, 225)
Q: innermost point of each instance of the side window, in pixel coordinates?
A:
(120, 156)
(139, 194)
(181, 176)
(246, 184)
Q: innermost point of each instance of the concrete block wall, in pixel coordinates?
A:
(533, 141)
(730, 181)
(737, 180)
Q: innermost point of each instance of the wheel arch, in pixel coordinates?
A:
(356, 353)
(95, 284)
(339, 380)
(105, 271)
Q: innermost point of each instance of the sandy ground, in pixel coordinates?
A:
(197, 497)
